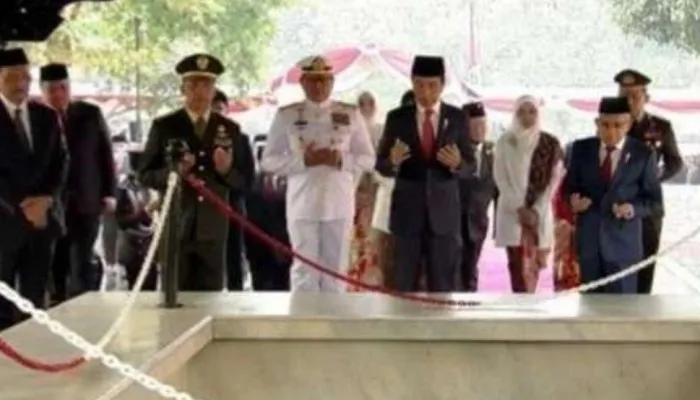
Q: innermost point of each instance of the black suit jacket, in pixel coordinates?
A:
(26, 173)
(477, 191)
(91, 174)
(200, 221)
(424, 185)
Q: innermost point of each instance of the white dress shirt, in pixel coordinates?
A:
(478, 155)
(614, 156)
(12, 109)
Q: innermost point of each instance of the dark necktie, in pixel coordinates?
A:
(21, 130)
(606, 170)
(64, 121)
(428, 137)
(200, 126)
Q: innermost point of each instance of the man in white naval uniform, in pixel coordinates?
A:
(321, 146)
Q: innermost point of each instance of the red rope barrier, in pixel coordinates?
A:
(224, 208)
(27, 362)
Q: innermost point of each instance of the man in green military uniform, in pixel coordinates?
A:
(219, 155)
(658, 134)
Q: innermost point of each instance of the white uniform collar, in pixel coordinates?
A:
(318, 106)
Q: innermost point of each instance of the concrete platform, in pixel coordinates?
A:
(253, 346)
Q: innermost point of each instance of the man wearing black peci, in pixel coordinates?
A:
(219, 155)
(477, 192)
(90, 186)
(33, 166)
(658, 135)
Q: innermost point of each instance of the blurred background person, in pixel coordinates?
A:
(134, 215)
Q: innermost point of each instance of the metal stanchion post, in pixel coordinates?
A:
(170, 245)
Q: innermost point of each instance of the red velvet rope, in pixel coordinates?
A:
(225, 209)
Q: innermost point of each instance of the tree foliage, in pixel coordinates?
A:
(675, 22)
(102, 39)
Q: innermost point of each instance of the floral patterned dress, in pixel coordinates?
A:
(364, 260)
(566, 268)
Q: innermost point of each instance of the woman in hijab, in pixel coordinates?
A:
(526, 165)
(566, 269)
(363, 256)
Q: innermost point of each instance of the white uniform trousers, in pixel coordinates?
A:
(325, 242)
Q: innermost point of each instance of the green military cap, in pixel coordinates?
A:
(316, 65)
(630, 77)
(200, 65)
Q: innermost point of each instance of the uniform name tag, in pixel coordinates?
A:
(341, 119)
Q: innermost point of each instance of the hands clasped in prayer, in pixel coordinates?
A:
(223, 158)
(315, 156)
(623, 211)
(620, 210)
(448, 155)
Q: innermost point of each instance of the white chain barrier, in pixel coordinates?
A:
(634, 268)
(97, 352)
(91, 351)
(158, 229)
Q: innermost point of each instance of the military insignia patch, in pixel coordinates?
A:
(341, 119)
(202, 62)
(628, 79)
(300, 122)
(222, 138)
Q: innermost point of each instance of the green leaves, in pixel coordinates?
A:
(675, 22)
(113, 39)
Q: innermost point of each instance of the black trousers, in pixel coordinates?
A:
(26, 269)
(651, 236)
(74, 271)
(440, 255)
(202, 266)
(469, 270)
(269, 269)
(131, 255)
(234, 250)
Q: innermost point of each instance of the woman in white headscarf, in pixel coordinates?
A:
(526, 170)
(363, 256)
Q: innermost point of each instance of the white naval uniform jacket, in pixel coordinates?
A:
(319, 193)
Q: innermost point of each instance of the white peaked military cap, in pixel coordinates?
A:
(315, 65)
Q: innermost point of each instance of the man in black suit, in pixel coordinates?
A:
(90, 187)
(477, 191)
(234, 249)
(33, 166)
(425, 147)
(657, 133)
(219, 155)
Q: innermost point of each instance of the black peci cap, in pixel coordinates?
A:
(428, 67)
(614, 105)
(53, 72)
